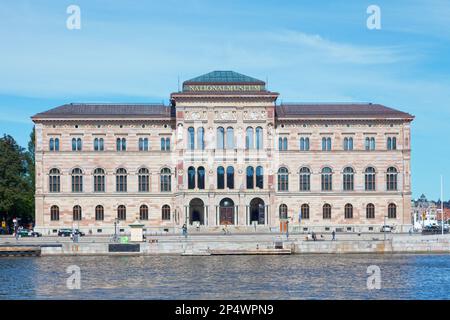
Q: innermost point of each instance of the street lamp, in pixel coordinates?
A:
(116, 221)
(384, 228)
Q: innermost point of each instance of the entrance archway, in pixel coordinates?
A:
(257, 211)
(226, 212)
(197, 211)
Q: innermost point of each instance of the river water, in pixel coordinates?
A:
(228, 277)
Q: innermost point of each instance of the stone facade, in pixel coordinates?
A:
(257, 133)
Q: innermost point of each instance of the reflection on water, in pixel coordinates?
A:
(228, 277)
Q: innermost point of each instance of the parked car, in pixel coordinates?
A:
(386, 229)
(69, 232)
(28, 233)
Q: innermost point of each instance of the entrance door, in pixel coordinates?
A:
(257, 211)
(226, 216)
(197, 212)
(226, 212)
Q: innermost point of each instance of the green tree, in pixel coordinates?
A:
(15, 183)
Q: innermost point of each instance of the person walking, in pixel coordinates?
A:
(184, 230)
(333, 234)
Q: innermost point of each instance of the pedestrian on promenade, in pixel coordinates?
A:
(333, 236)
(184, 230)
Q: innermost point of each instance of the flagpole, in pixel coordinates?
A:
(442, 204)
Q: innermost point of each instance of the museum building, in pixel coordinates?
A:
(223, 152)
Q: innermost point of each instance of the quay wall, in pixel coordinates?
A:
(435, 244)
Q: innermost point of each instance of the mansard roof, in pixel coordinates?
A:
(224, 77)
(95, 110)
(335, 110)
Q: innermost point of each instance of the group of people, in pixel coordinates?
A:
(313, 236)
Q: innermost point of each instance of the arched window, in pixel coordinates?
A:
(191, 138)
(304, 144)
(259, 138)
(77, 214)
(326, 211)
(250, 178)
(305, 179)
(121, 144)
(143, 144)
(392, 144)
(167, 144)
(54, 180)
(283, 211)
(99, 144)
(201, 138)
(143, 212)
(77, 180)
(392, 211)
(56, 144)
(249, 142)
(230, 177)
(370, 143)
(220, 178)
(165, 212)
(391, 179)
(220, 138)
(191, 178)
(304, 211)
(230, 138)
(327, 179)
(348, 211)
(389, 143)
(121, 180)
(166, 180)
(76, 144)
(326, 144)
(99, 180)
(369, 179)
(348, 179)
(370, 211)
(54, 213)
(99, 213)
(52, 144)
(348, 144)
(282, 144)
(122, 213)
(283, 179)
(201, 178)
(144, 180)
(260, 177)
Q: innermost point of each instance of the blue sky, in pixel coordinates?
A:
(319, 51)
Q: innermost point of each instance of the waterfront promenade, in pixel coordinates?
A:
(205, 244)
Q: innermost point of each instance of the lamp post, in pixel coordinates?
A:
(116, 221)
(384, 228)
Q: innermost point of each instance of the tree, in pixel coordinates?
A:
(16, 190)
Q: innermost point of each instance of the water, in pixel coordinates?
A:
(228, 277)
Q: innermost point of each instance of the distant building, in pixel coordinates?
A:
(223, 153)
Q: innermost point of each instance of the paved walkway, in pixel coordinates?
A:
(197, 237)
